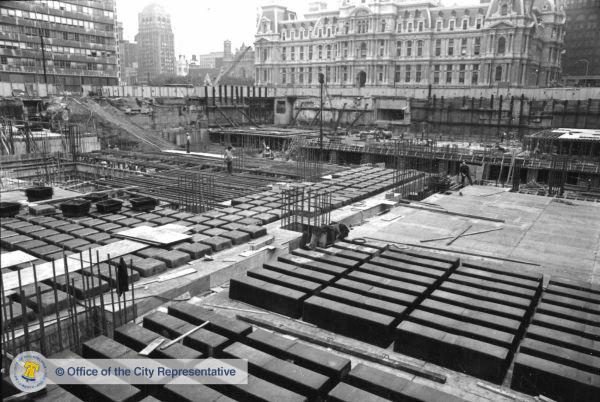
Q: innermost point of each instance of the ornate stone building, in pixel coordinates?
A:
(412, 43)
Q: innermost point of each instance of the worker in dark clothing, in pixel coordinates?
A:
(464, 172)
(229, 159)
(188, 142)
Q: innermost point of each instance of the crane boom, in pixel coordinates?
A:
(234, 63)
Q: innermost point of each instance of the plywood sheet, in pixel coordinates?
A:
(155, 235)
(73, 263)
(13, 258)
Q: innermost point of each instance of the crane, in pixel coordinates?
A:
(227, 70)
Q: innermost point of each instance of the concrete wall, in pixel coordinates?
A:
(422, 93)
(57, 144)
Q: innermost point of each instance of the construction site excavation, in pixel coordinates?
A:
(346, 242)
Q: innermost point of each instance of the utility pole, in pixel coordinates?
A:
(321, 82)
(43, 57)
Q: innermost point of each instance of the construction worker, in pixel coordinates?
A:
(228, 157)
(188, 142)
(267, 152)
(464, 172)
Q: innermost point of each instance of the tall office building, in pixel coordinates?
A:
(387, 43)
(155, 42)
(74, 41)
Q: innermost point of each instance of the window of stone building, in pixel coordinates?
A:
(293, 53)
(399, 48)
(327, 74)
(283, 76)
(344, 73)
(345, 49)
(475, 74)
(498, 75)
(407, 74)
(420, 26)
(463, 46)
(380, 73)
(450, 47)
(449, 74)
(283, 53)
(420, 48)
(310, 53)
(477, 46)
(301, 52)
(265, 75)
(293, 75)
(397, 74)
(461, 74)
(310, 75)
(438, 25)
(328, 51)
(478, 23)
(501, 45)
(504, 9)
(383, 25)
(465, 25)
(363, 50)
(418, 73)
(452, 25)
(381, 48)
(300, 75)
(438, 47)
(409, 48)
(436, 74)
(410, 27)
(320, 52)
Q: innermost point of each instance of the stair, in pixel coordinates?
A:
(114, 116)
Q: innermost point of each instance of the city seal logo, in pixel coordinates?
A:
(28, 371)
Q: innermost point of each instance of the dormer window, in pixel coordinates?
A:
(452, 25)
(420, 26)
(438, 26)
(478, 23)
(465, 25)
(504, 9)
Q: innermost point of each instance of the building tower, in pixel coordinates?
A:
(155, 40)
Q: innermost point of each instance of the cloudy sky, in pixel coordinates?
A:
(201, 26)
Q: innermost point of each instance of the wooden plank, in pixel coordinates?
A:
(155, 235)
(73, 264)
(13, 258)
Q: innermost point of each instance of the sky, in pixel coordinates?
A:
(201, 26)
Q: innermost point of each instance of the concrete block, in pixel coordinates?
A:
(536, 376)
(301, 273)
(49, 303)
(278, 278)
(214, 232)
(42, 210)
(236, 236)
(149, 252)
(253, 230)
(44, 251)
(343, 392)
(30, 245)
(195, 250)
(250, 221)
(173, 258)
(74, 244)
(217, 243)
(97, 237)
(471, 356)
(347, 320)
(264, 218)
(196, 315)
(149, 267)
(163, 220)
(277, 298)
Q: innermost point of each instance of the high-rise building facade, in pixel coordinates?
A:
(75, 41)
(581, 60)
(155, 41)
(412, 43)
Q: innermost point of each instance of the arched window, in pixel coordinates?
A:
(498, 76)
(504, 9)
(363, 50)
(501, 45)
